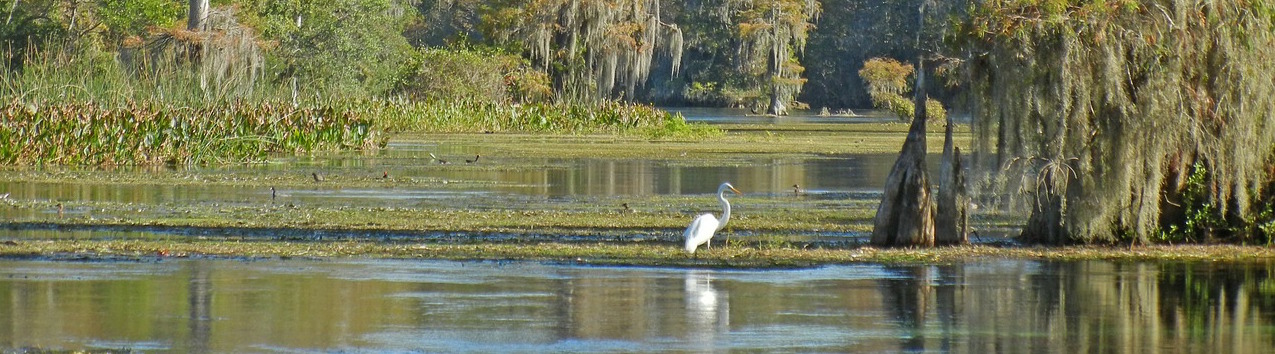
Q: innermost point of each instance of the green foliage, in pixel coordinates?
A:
(1266, 223)
(1202, 219)
(151, 133)
(145, 73)
(471, 116)
(675, 126)
(888, 83)
(886, 76)
(340, 48)
(27, 26)
(32, 24)
(132, 17)
(469, 74)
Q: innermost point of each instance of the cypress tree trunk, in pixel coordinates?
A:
(906, 214)
(952, 222)
(777, 107)
(198, 14)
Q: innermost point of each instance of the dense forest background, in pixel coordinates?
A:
(700, 52)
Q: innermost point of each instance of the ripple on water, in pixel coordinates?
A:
(84, 271)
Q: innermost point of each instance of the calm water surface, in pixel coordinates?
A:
(498, 176)
(858, 173)
(442, 306)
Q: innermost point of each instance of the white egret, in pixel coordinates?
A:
(704, 226)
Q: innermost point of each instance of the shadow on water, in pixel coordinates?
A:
(1010, 306)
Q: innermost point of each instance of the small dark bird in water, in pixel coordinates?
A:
(386, 175)
(440, 161)
(60, 209)
(317, 177)
(796, 190)
(626, 207)
(273, 193)
(474, 160)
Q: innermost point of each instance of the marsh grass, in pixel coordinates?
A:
(733, 256)
(661, 218)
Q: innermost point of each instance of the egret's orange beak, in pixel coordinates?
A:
(732, 189)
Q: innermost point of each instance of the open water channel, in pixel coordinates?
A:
(441, 306)
(353, 305)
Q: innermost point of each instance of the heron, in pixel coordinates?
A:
(701, 230)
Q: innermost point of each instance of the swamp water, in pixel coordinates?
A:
(443, 306)
(207, 305)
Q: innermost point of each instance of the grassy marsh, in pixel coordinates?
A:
(732, 256)
(767, 230)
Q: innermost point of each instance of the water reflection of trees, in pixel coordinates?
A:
(909, 297)
(1082, 307)
(752, 175)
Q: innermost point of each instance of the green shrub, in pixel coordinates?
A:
(479, 75)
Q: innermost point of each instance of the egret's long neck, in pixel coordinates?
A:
(721, 196)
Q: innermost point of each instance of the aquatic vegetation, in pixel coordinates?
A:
(146, 133)
(733, 256)
(489, 117)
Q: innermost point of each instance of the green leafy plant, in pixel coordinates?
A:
(888, 82)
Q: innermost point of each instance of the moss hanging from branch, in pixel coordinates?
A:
(593, 49)
(226, 56)
(773, 33)
(1097, 110)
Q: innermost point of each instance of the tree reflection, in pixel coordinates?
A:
(1092, 306)
(912, 291)
(199, 293)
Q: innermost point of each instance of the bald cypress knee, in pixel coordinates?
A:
(951, 224)
(906, 214)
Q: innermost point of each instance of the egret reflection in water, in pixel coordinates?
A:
(707, 309)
